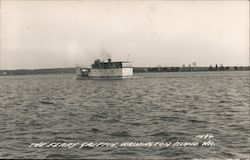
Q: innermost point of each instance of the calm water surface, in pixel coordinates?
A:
(151, 107)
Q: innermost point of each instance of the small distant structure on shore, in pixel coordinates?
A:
(194, 64)
(230, 68)
(191, 67)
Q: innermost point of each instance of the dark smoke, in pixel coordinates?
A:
(105, 54)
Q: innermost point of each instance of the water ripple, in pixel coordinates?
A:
(150, 107)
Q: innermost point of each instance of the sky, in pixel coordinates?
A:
(58, 34)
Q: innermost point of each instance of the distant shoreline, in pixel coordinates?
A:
(136, 70)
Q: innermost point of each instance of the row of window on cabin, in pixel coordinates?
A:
(106, 65)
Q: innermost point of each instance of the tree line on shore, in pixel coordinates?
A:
(136, 69)
(190, 69)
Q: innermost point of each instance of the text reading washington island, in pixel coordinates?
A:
(106, 70)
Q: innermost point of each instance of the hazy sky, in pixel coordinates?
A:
(47, 34)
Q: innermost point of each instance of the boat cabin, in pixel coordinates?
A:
(98, 64)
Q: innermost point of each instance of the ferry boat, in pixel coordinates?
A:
(106, 70)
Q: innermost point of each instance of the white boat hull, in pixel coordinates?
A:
(116, 73)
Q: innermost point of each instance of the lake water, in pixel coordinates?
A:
(151, 107)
